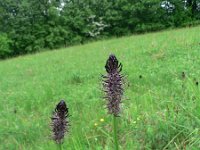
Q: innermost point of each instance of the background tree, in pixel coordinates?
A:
(32, 26)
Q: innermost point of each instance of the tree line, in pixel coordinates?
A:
(28, 26)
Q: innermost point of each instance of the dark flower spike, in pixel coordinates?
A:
(113, 85)
(112, 64)
(60, 122)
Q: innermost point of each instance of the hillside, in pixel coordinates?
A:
(161, 107)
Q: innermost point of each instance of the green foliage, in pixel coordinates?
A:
(5, 42)
(36, 25)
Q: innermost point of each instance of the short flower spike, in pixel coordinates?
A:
(60, 122)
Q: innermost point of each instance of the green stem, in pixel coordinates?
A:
(115, 132)
(60, 146)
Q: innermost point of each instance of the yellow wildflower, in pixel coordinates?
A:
(102, 120)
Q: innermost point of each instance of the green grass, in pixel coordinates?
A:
(161, 110)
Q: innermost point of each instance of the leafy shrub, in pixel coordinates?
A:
(4, 46)
(149, 27)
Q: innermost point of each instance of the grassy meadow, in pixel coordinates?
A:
(160, 109)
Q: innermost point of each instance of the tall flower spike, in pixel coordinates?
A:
(113, 85)
(60, 122)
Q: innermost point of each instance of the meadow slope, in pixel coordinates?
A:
(161, 107)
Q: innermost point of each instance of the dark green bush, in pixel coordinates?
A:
(5, 49)
(140, 28)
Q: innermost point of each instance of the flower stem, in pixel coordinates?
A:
(115, 132)
(60, 146)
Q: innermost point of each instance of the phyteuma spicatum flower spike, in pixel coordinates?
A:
(113, 85)
(60, 123)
